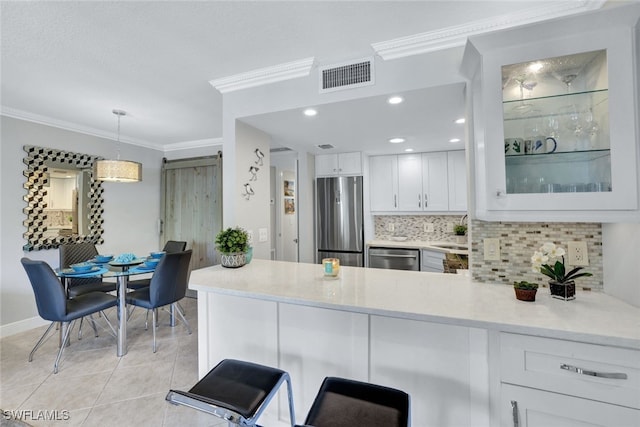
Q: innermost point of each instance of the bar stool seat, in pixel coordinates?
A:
(236, 391)
(343, 402)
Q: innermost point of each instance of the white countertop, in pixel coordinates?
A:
(417, 244)
(435, 297)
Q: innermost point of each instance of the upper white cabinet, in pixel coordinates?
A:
(339, 164)
(457, 173)
(427, 182)
(60, 194)
(556, 119)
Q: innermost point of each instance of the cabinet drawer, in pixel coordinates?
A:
(432, 261)
(607, 374)
(526, 407)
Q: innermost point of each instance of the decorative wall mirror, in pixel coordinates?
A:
(64, 202)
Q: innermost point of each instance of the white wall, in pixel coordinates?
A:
(131, 211)
(253, 214)
(621, 267)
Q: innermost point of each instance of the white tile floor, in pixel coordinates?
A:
(96, 388)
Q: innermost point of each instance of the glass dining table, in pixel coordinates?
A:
(121, 271)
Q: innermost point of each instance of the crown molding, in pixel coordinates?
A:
(74, 127)
(456, 36)
(198, 143)
(262, 76)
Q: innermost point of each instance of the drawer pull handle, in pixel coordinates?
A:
(613, 375)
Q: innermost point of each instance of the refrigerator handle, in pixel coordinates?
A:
(419, 201)
(395, 201)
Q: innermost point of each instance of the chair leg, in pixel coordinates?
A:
(146, 321)
(154, 319)
(80, 328)
(41, 340)
(65, 339)
(106, 319)
(184, 319)
(292, 412)
(93, 325)
(180, 307)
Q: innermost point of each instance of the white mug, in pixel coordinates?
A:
(542, 145)
(513, 146)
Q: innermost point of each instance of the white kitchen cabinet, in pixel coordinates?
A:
(410, 182)
(435, 364)
(527, 407)
(339, 164)
(60, 193)
(581, 105)
(549, 382)
(383, 183)
(457, 173)
(422, 182)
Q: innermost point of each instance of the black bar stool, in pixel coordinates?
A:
(235, 391)
(346, 403)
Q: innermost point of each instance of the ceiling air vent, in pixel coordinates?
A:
(279, 149)
(346, 75)
(325, 146)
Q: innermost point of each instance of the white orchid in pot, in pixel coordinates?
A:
(562, 283)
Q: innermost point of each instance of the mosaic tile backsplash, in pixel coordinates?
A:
(518, 241)
(412, 226)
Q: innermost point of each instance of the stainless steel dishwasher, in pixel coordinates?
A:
(394, 258)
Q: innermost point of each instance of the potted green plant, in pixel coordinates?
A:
(525, 291)
(562, 284)
(232, 243)
(460, 231)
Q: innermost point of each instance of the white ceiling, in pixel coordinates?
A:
(70, 63)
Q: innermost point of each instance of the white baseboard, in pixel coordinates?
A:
(21, 326)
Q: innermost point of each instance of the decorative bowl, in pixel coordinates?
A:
(104, 258)
(157, 254)
(82, 267)
(151, 262)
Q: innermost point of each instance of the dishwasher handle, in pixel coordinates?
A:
(394, 255)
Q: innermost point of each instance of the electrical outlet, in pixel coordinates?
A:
(390, 227)
(449, 227)
(263, 234)
(428, 227)
(577, 255)
(492, 249)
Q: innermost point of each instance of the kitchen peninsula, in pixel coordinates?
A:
(454, 345)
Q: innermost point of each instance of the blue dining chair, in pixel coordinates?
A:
(168, 285)
(54, 306)
(169, 247)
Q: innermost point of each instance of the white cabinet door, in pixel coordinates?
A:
(435, 187)
(316, 342)
(433, 363)
(339, 164)
(350, 163)
(410, 197)
(457, 172)
(526, 407)
(326, 164)
(383, 183)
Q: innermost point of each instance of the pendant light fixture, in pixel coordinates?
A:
(117, 170)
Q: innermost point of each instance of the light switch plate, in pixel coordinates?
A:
(492, 249)
(428, 227)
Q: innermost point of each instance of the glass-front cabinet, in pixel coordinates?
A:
(556, 121)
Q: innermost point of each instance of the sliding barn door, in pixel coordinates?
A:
(192, 200)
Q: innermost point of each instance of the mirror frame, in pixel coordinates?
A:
(37, 173)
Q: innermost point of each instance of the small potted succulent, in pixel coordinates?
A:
(460, 231)
(562, 284)
(233, 244)
(525, 291)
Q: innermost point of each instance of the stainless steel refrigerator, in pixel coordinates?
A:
(339, 219)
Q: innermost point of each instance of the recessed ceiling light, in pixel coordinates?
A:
(310, 112)
(454, 140)
(396, 140)
(395, 100)
(408, 150)
(460, 120)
